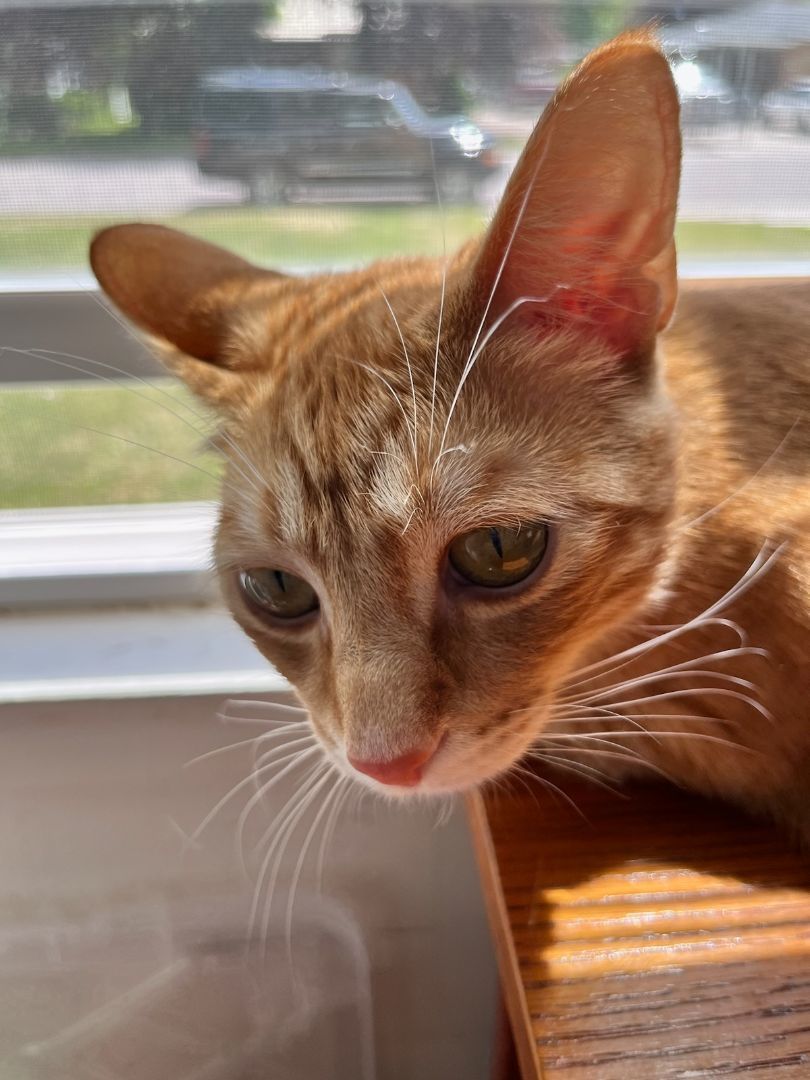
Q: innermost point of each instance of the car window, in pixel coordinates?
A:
(365, 112)
(234, 109)
(263, 110)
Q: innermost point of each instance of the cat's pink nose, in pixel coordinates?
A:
(403, 771)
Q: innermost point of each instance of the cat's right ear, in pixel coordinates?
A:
(185, 294)
(584, 233)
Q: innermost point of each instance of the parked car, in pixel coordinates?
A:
(286, 132)
(707, 100)
(787, 109)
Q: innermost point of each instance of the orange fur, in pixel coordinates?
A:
(666, 460)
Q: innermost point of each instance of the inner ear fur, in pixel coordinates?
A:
(584, 232)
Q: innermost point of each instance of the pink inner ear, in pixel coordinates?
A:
(613, 315)
(595, 287)
(619, 311)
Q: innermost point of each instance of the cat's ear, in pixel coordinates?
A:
(585, 229)
(185, 293)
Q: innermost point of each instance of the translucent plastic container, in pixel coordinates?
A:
(123, 921)
(177, 992)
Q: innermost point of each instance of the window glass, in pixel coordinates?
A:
(239, 122)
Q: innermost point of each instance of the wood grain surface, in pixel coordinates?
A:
(657, 935)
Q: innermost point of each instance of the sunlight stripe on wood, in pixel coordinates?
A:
(665, 936)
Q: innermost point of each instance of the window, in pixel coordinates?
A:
(240, 122)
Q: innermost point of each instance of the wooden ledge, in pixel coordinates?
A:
(657, 935)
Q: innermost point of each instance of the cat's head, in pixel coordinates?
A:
(445, 484)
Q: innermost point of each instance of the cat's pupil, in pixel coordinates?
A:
(277, 593)
(500, 555)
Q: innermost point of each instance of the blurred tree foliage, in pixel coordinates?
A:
(156, 51)
(594, 22)
(446, 52)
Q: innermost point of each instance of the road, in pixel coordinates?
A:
(750, 176)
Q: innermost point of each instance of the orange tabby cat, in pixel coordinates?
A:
(487, 509)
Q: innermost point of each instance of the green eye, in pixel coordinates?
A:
(278, 593)
(498, 556)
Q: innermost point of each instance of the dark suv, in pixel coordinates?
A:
(287, 132)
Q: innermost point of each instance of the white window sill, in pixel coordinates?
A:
(117, 602)
(90, 556)
(126, 653)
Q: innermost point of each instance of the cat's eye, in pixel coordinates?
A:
(277, 593)
(498, 556)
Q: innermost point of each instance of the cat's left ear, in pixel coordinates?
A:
(188, 295)
(584, 233)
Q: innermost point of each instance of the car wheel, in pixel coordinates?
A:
(268, 187)
(456, 186)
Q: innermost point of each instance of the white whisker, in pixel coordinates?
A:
(234, 791)
(582, 771)
(407, 359)
(259, 703)
(659, 676)
(693, 524)
(760, 566)
(265, 737)
(623, 753)
(328, 831)
(608, 715)
(476, 352)
(392, 392)
(524, 202)
(441, 299)
(704, 691)
(323, 809)
(289, 763)
(552, 787)
(279, 823)
(655, 735)
(280, 843)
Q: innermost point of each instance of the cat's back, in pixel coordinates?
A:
(737, 365)
(755, 336)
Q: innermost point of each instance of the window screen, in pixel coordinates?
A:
(308, 136)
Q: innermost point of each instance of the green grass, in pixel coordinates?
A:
(289, 236)
(80, 445)
(301, 236)
(727, 240)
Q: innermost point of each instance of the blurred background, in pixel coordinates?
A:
(319, 134)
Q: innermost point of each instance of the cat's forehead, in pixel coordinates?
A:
(369, 433)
